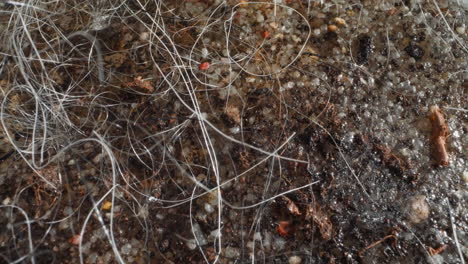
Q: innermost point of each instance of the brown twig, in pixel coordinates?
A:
(436, 251)
(439, 136)
(376, 243)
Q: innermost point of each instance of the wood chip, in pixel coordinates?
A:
(439, 136)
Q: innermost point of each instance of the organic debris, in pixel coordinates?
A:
(230, 131)
(377, 243)
(138, 82)
(439, 137)
(321, 219)
(436, 251)
(391, 160)
(292, 207)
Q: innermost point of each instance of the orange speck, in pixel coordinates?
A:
(106, 205)
(204, 66)
(284, 228)
(392, 11)
(332, 28)
(266, 34)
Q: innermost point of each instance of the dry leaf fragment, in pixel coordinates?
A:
(233, 113)
(437, 251)
(292, 207)
(143, 84)
(322, 220)
(439, 136)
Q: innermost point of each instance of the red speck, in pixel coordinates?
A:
(266, 34)
(75, 240)
(284, 228)
(204, 66)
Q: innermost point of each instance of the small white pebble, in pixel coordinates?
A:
(279, 243)
(418, 209)
(295, 260)
(465, 176)
(341, 115)
(6, 201)
(98, 158)
(235, 130)
(208, 208)
(258, 236)
(232, 252)
(250, 244)
(340, 21)
(405, 152)
(191, 244)
(260, 18)
(250, 79)
(204, 53)
(203, 116)
(461, 30)
(144, 36)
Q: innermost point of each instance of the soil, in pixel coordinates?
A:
(208, 131)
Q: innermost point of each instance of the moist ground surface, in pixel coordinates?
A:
(285, 131)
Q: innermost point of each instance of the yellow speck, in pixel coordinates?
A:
(332, 28)
(243, 3)
(340, 21)
(106, 205)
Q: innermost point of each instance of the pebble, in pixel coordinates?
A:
(436, 259)
(258, 236)
(231, 252)
(295, 260)
(414, 51)
(340, 21)
(279, 243)
(204, 53)
(198, 232)
(208, 208)
(98, 158)
(332, 28)
(260, 18)
(6, 201)
(191, 244)
(144, 35)
(418, 209)
(461, 30)
(465, 176)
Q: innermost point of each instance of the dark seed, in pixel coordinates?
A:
(364, 49)
(414, 51)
